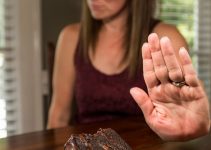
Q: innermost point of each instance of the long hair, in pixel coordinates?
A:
(138, 27)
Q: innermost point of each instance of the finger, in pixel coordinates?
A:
(191, 78)
(173, 66)
(157, 58)
(148, 69)
(143, 101)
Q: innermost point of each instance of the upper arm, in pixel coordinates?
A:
(173, 34)
(64, 71)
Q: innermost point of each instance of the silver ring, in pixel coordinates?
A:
(179, 84)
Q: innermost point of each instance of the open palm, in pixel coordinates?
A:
(174, 113)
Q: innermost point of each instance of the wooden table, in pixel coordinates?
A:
(133, 130)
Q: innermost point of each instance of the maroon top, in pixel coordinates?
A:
(102, 97)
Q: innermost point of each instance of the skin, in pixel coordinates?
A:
(63, 78)
(173, 113)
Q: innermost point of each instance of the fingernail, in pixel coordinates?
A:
(183, 50)
(134, 91)
(152, 36)
(165, 38)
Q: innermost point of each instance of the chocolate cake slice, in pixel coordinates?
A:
(104, 139)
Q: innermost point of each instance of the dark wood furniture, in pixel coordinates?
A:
(133, 130)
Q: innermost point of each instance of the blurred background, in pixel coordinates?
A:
(28, 33)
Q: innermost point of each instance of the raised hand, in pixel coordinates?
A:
(176, 106)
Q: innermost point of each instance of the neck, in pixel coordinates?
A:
(116, 23)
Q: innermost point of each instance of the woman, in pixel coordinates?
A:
(99, 61)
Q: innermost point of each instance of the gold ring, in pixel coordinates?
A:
(179, 84)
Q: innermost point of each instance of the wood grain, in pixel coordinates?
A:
(133, 130)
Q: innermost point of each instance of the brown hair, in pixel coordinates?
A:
(139, 19)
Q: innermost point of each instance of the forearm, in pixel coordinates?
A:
(58, 118)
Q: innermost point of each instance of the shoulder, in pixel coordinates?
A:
(70, 32)
(68, 39)
(164, 29)
(67, 42)
(171, 31)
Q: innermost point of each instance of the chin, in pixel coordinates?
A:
(98, 17)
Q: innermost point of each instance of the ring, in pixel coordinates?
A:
(179, 84)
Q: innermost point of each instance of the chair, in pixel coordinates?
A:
(51, 48)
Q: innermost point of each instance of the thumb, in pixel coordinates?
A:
(143, 100)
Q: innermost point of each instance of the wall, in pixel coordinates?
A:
(28, 52)
(55, 15)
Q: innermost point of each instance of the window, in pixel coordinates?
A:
(3, 123)
(193, 19)
(20, 67)
(180, 13)
(204, 42)
(7, 72)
